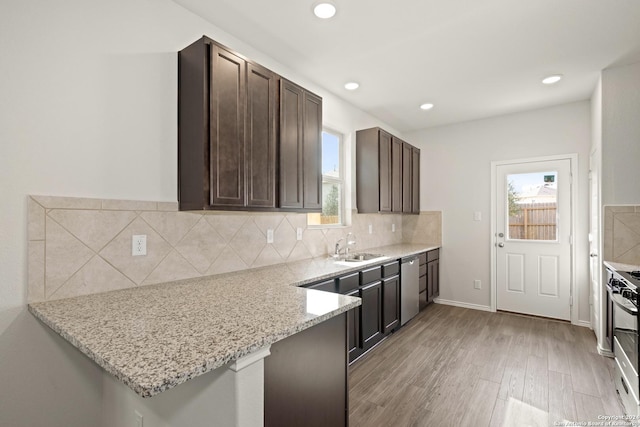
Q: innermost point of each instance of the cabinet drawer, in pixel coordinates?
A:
(370, 275)
(328, 285)
(348, 283)
(390, 269)
(422, 282)
(422, 299)
(433, 255)
(422, 258)
(423, 269)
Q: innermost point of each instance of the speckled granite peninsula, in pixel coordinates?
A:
(155, 337)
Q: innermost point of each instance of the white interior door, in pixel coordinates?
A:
(594, 241)
(533, 238)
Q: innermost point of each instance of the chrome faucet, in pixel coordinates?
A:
(336, 254)
(350, 241)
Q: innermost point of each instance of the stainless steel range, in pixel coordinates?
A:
(623, 287)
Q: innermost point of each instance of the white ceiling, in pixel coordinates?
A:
(471, 58)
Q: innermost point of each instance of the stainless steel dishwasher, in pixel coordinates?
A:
(409, 288)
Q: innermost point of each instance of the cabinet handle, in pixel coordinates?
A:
(364, 288)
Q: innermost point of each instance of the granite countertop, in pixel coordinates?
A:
(153, 338)
(621, 267)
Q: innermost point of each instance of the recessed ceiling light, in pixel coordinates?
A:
(324, 10)
(426, 106)
(552, 79)
(351, 86)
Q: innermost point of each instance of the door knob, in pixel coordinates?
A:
(501, 245)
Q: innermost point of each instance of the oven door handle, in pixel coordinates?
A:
(620, 302)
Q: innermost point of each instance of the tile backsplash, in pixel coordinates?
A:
(622, 234)
(81, 246)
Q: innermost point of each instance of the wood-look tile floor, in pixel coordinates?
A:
(453, 366)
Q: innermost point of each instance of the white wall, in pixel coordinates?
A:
(456, 179)
(88, 110)
(621, 135)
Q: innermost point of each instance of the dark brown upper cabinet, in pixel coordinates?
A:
(300, 148)
(410, 179)
(384, 171)
(407, 177)
(260, 139)
(415, 180)
(227, 155)
(396, 174)
(229, 133)
(385, 180)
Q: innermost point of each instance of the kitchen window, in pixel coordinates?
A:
(332, 182)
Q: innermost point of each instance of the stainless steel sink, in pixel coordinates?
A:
(358, 257)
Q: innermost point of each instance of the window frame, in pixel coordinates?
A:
(341, 181)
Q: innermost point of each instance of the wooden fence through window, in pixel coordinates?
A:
(535, 221)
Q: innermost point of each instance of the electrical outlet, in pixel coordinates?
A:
(299, 233)
(139, 419)
(370, 228)
(393, 228)
(138, 244)
(477, 216)
(270, 235)
(477, 284)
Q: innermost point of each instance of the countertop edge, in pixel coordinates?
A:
(148, 390)
(209, 365)
(618, 266)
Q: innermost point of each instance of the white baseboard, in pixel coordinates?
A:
(583, 323)
(462, 304)
(603, 352)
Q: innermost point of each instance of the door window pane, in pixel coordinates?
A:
(532, 205)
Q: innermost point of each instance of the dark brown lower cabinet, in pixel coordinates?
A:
(433, 279)
(390, 304)
(353, 329)
(429, 280)
(305, 378)
(371, 315)
(422, 281)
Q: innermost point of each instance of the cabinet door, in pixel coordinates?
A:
(415, 180)
(227, 129)
(353, 329)
(384, 164)
(396, 175)
(407, 178)
(370, 315)
(312, 152)
(262, 92)
(291, 112)
(390, 304)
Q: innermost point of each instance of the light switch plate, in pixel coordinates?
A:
(477, 216)
(477, 284)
